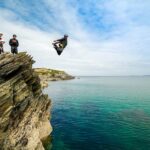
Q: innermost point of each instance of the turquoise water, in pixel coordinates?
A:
(100, 113)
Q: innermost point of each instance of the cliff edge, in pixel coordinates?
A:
(24, 109)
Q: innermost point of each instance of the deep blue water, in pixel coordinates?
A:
(100, 113)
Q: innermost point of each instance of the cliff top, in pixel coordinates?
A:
(10, 65)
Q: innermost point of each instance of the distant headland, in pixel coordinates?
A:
(47, 75)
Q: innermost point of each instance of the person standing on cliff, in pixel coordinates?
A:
(14, 45)
(1, 43)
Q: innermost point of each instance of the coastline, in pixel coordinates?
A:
(25, 111)
(47, 75)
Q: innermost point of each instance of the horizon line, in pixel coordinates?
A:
(111, 75)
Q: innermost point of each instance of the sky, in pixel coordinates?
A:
(106, 37)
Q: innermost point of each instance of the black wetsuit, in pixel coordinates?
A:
(62, 44)
(14, 45)
(63, 41)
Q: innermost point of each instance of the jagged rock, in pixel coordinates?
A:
(24, 109)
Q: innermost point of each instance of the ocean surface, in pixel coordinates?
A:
(100, 113)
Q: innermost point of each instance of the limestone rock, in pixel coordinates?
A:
(24, 109)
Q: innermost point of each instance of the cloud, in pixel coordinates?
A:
(105, 38)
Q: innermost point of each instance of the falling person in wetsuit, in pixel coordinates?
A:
(14, 45)
(60, 44)
(1, 43)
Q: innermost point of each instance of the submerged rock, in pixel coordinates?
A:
(24, 109)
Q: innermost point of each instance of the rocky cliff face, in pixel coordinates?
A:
(24, 109)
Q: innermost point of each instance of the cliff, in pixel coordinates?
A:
(24, 109)
(51, 75)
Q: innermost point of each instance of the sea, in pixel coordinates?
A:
(100, 113)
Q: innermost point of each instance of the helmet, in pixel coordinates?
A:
(14, 35)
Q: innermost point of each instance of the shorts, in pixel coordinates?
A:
(14, 50)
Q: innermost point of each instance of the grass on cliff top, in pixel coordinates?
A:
(45, 71)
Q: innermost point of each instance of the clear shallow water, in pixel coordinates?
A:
(100, 113)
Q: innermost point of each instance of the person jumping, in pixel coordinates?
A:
(60, 44)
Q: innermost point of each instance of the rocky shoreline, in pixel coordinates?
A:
(24, 109)
(47, 75)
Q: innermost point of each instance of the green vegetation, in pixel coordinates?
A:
(46, 75)
(45, 71)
